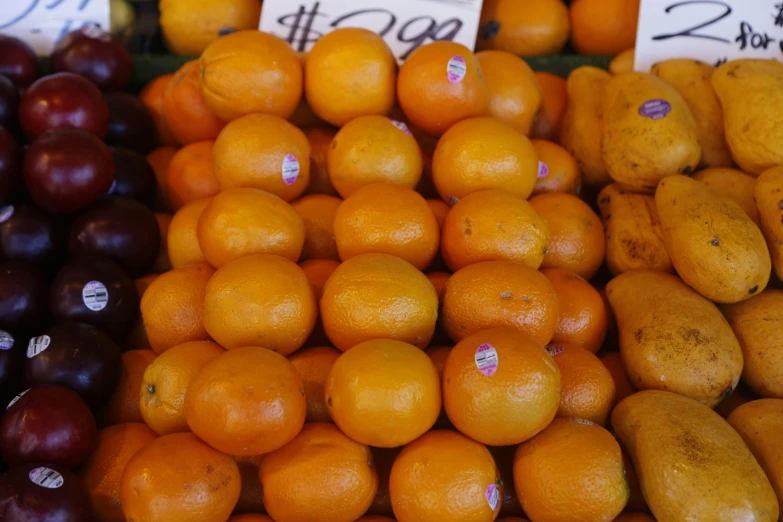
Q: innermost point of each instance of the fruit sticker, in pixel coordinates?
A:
(451, 200)
(655, 109)
(554, 350)
(37, 345)
(543, 170)
(96, 33)
(486, 359)
(290, 169)
(46, 478)
(95, 296)
(6, 212)
(13, 401)
(493, 496)
(6, 340)
(457, 69)
(400, 125)
(584, 421)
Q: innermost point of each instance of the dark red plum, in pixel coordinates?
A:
(9, 103)
(67, 170)
(119, 229)
(27, 234)
(12, 356)
(10, 167)
(78, 356)
(96, 55)
(134, 177)
(18, 61)
(48, 423)
(130, 123)
(43, 493)
(22, 297)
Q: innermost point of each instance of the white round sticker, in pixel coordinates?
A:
(457, 69)
(37, 345)
(15, 399)
(486, 358)
(6, 340)
(290, 169)
(95, 296)
(46, 478)
(6, 212)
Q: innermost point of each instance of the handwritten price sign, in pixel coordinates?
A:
(404, 24)
(712, 31)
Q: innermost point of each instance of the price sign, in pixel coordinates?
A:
(404, 24)
(41, 23)
(713, 31)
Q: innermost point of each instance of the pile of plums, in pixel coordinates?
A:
(76, 226)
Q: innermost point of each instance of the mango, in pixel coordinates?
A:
(623, 62)
(733, 184)
(768, 194)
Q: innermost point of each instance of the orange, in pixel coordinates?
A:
(320, 475)
(387, 219)
(622, 385)
(440, 84)
(260, 300)
(160, 159)
(263, 151)
(587, 387)
(162, 263)
(373, 149)
(182, 237)
(172, 308)
(440, 209)
(152, 98)
(526, 28)
(480, 154)
(186, 115)
(492, 225)
(514, 93)
(102, 473)
(318, 212)
(554, 103)
(137, 338)
(383, 393)
(250, 517)
(571, 471)
(445, 476)
(178, 477)
(243, 221)
(313, 365)
(123, 406)
(191, 175)
(320, 142)
(384, 459)
(189, 26)
(250, 72)
(500, 387)
(605, 27)
(634, 517)
(165, 382)
(251, 498)
(577, 240)
(318, 271)
(350, 72)
(558, 170)
(378, 296)
(499, 293)
(246, 402)
(583, 318)
(509, 503)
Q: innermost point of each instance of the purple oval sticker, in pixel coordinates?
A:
(655, 109)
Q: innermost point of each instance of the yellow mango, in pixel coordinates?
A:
(733, 184)
(768, 194)
(623, 62)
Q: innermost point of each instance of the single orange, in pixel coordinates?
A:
(499, 293)
(178, 477)
(558, 171)
(102, 473)
(243, 221)
(587, 387)
(318, 212)
(350, 72)
(318, 271)
(492, 225)
(440, 84)
(320, 475)
(186, 115)
(383, 393)
(483, 153)
(387, 219)
(320, 142)
(162, 262)
(509, 503)
(372, 149)
(172, 308)
(152, 98)
(378, 296)
(440, 209)
(573, 470)
(554, 103)
(161, 392)
(182, 238)
(604, 27)
(123, 406)
(445, 476)
(577, 240)
(530, 28)
(250, 72)
(160, 159)
(622, 385)
(260, 300)
(312, 365)
(514, 93)
(246, 402)
(251, 497)
(263, 151)
(191, 175)
(583, 318)
(500, 387)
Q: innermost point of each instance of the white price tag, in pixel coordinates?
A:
(404, 24)
(41, 23)
(713, 31)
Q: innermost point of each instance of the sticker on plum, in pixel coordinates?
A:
(6, 340)
(6, 212)
(95, 296)
(655, 109)
(555, 350)
(96, 33)
(37, 345)
(400, 125)
(290, 169)
(492, 494)
(584, 421)
(457, 69)
(46, 478)
(486, 358)
(16, 399)
(543, 170)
